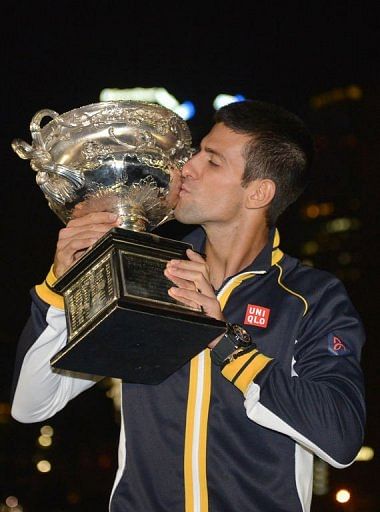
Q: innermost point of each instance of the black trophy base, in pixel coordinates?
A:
(121, 321)
(137, 346)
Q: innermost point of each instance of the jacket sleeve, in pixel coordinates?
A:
(38, 391)
(320, 402)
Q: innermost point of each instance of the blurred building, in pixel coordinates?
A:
(342, 197)
(333, 226)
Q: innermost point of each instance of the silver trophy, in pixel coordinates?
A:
(123, 157)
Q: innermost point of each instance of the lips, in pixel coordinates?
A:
(183, 191)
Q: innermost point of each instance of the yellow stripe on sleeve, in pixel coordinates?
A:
(45, 293)
(243, 370)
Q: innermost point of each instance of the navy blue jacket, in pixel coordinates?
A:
(238, 439)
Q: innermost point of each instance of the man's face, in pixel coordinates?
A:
(211, 191)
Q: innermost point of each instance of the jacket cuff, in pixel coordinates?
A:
(243, 370)
(45, 292)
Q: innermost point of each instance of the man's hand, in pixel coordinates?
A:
(78, 236)
(193, 287)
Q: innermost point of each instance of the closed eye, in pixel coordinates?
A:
(198, 149)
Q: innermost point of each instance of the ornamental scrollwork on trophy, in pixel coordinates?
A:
(119, 156)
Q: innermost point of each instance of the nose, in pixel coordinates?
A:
(190, 169)
(187, 169)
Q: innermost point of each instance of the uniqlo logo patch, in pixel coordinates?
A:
(257, 316)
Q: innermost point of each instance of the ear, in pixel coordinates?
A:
(260, 193)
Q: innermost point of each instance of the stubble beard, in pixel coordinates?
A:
(187, 214)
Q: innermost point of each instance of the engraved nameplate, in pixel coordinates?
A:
(90, 295)
(143, 277)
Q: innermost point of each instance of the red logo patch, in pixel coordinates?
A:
(338, 344)
(257, 315)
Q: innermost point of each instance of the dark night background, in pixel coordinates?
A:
(318, 59)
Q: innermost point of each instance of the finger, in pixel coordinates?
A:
(75, 244)
(200, 267)
(201, 283)
(183, 300)
(95, 231)
(68, 252)
(101, 221)
(181, 283)
(194, 256)
(78, 236)
(210, 306)
(92, 218)
(79, 254)
(187, 264)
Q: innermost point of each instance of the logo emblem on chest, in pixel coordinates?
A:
(257, 316)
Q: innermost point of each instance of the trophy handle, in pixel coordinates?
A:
(25, 150)
(35, 126)
(42, 162)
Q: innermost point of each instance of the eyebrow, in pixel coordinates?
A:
(213, 152)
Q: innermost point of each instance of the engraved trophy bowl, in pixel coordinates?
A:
(117, 156)
(123, 157)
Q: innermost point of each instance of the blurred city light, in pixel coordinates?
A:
(344, 258)
(343, 496)
(11, 501)
(158, 95)
(314, 210)
(73, 498)
(326, 208)
(43, 466)
(47, 430)
(320, 477)
(225, 99)
(365, 454)
(310, 247)
(11, 505)
(186, 110)
(342, 224)
(114, 392)
(5, 412)
(350, 93)
(45, 441)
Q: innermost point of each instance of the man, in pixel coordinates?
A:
(236, 428)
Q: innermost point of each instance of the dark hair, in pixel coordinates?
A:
(281, 149)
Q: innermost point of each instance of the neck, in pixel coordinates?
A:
(229, 251)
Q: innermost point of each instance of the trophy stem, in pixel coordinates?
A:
(133, 219)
